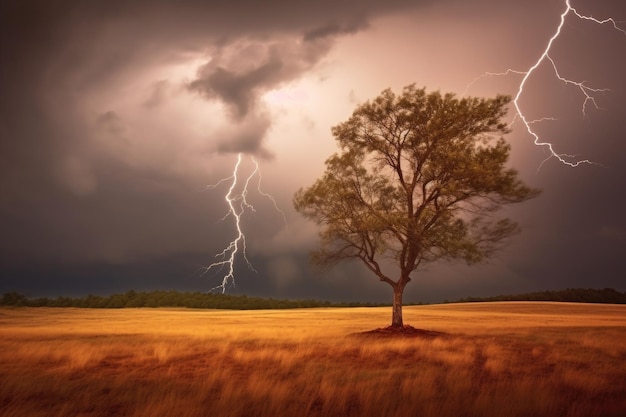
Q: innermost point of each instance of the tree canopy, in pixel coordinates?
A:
(419, 177)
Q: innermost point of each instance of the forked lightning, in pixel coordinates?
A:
(587, 92)
(237, 205)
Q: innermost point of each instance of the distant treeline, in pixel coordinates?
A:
(132, 299)
(572, 295)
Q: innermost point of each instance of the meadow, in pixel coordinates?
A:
(495, 359)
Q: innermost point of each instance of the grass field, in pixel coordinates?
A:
(497, 359)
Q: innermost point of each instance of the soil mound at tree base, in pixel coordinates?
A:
(404, 331)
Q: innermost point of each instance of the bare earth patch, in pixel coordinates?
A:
(401, 332)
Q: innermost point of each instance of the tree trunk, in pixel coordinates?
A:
(396, 318)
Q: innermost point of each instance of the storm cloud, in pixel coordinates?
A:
(240, 73)
(90, 133)
(115, 116)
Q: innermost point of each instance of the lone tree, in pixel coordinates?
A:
(419, 178)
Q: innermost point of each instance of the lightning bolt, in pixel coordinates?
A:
(545, 58)
(266, 195)
(238, 205)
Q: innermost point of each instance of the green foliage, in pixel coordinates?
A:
(572, 295)
(419, 178)
(13, 299)
(132, 299)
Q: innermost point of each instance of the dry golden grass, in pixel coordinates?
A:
(499, 359)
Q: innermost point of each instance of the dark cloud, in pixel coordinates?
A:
(53, 54)
(240, 73)
(248, 138)
(111, 123)
(78, 174)
(240, 89)
(333, 29)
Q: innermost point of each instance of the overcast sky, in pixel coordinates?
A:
(115, 117)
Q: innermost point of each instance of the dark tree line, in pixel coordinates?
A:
(572, 295)
(133, 299)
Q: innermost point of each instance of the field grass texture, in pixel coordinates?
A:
(495, 359)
